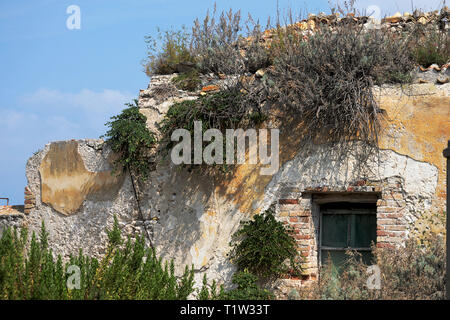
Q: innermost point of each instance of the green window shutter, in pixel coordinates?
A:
(346, 226)
(364, 230)
(335, 227)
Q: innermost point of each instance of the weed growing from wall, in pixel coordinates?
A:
(265, 247)
(130, 138)
(227, 109)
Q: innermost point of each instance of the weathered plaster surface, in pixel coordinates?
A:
(197, 212)
(418, 126)
(65, 180)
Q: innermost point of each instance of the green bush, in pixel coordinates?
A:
(130, 138)
(29, 273)
(265, 247)
(226, 109)
(129, 270)
(173, 56)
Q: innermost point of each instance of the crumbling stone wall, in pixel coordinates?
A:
(11, 219)
(191, 215)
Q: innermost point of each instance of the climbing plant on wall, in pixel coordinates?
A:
(130, 138)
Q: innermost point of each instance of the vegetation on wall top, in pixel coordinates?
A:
(129, 270)
(321, 77)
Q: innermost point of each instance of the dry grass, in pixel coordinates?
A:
(415, 271)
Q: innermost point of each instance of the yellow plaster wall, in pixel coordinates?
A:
(65, 181)
(418, 125)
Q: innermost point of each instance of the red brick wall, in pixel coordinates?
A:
(302, 214)
(30, 200)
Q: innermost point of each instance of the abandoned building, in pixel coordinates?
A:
(332, 203)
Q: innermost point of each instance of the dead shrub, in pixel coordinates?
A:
(326, 79)
(215, 43)
(257, 55)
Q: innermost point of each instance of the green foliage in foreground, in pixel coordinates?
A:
(246, 288)
(129, 270)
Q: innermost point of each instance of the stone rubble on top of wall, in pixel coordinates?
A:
(397, 22)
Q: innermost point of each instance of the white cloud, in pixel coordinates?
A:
(49, 115)
(86, 99)
(86, 110)
(389, 7)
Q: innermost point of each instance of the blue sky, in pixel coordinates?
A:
(58, 84)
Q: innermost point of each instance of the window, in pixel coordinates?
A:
(347, 226)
